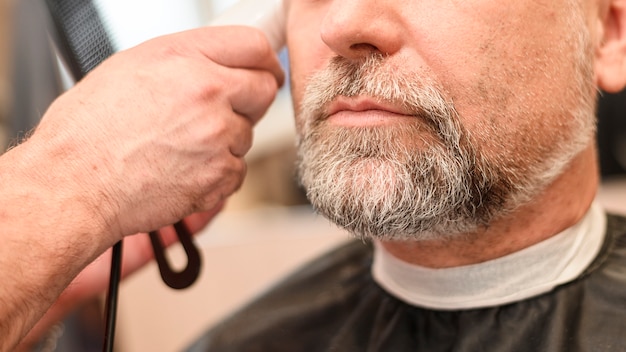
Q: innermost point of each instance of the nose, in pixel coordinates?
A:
(358, 28)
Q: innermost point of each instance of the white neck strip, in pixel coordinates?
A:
(530, 272)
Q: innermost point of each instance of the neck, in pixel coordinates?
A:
(562, 204)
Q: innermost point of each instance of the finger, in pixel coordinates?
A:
(237, 46)
(237, 130)
(229, 178)
(251, 93)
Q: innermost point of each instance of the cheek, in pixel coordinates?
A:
(305, 60)
(501, 77)
(302, 65)
(515, 94)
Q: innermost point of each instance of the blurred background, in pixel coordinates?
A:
(6, 7)
(267, 229)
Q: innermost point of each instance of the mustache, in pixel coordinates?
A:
(376, 78)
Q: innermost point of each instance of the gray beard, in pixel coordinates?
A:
(416, 181)
(367, 181)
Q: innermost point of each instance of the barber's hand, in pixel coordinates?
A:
(153, 134)
(160, 131)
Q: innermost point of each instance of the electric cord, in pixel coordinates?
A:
(112, 295)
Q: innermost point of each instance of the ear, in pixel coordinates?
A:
(610, 55)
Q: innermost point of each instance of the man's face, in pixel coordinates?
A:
(427, 119)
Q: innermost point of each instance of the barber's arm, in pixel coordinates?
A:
(152, 135)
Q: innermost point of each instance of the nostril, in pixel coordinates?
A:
(364, 47)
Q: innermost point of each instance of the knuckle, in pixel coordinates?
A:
(217, 190)
(238, 171)
(219, 129)
(260, 42)
(242, 139)
(166, 46)
(270, 86)
(203, 89)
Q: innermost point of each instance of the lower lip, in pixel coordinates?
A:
(368, 118)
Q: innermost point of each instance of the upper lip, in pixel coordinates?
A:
(362, 103)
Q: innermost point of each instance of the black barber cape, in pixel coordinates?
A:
(333, 304)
